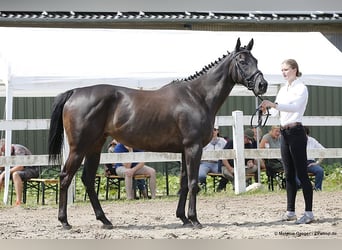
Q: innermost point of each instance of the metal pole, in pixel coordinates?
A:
(239, 161)
(8, 141)
(258, 139)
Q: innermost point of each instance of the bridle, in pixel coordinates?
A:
(250, 83)
(249, 80)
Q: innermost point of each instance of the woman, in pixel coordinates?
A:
(206, 166)
(290, 103)
(272, 140)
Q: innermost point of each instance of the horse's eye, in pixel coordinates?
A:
(242, 62)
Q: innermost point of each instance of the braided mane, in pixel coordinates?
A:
(205, 69)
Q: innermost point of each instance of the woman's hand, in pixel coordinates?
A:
(265, 104)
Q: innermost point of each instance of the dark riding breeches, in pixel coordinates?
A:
(293, 153)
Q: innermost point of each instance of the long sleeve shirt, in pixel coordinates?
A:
(292, 100)
(312, 144)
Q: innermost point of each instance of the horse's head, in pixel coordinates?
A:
(245, 69)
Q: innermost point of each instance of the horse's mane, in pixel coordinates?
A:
(204, 70)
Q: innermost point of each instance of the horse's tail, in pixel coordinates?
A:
(56, 132)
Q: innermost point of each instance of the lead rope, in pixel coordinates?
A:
(258, 111)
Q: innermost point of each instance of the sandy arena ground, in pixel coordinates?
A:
(250, 216)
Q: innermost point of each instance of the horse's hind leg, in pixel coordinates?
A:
(71, 165)
(88, 178)
(183, 193)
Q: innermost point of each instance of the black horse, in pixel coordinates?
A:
(178, 117)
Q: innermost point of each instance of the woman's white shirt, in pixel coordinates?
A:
(291, 102)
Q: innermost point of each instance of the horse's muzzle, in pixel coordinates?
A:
(260, 85)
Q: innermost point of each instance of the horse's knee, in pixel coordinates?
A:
(193, 187)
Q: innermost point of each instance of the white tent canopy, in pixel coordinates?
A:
(46, 61)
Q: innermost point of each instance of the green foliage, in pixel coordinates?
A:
(331, 182)
(329, 169)
(332, 177)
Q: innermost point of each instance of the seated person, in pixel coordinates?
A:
(257, 133)
(228, 165)
(314, 166)
(18, 173)
(128, 170)
(110, 170)
(216, 143)
(272, 140)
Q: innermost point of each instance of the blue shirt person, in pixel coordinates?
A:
(128, 170)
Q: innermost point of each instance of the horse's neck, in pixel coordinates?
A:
(216, 85)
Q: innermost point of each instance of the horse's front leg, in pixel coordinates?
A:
(88, 178)
(193, 157)
(183, 193)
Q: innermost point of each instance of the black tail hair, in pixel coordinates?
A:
(56, 132)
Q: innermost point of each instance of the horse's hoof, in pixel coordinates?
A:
(107, 226)
(198, 226)
(66, 226)
(187, 224)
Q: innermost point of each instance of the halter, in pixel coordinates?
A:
(250, 80)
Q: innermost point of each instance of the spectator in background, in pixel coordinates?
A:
(256, 137)
(128, 170)
(272, 140)
(109, 168)
(211, 166)
(314, 166)
(18, 173)
(228, 165)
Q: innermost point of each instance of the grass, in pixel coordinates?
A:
(332, 182)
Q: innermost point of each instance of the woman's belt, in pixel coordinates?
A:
(291, 125)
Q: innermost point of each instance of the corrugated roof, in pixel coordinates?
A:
(138, 19)
(259, 16)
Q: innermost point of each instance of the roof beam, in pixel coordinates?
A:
(215, 21)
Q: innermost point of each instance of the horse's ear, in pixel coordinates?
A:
(250, 45)
(238, 45)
